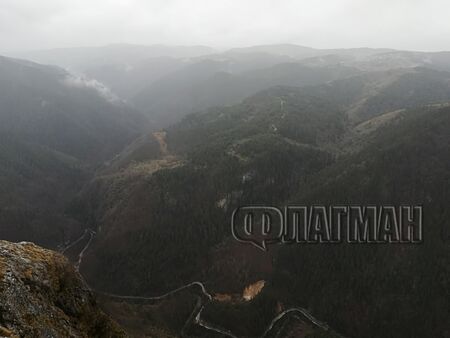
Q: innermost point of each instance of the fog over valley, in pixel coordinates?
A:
(244, 169)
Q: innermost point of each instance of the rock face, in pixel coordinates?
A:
(253, 290)
(41, 295)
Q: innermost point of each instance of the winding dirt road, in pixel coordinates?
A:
(204, 298)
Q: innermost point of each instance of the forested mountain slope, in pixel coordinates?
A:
(55, 129)
(74, 156)
(385, 290)
(209, 83)
(324, 144)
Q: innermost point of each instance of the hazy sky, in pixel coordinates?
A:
(402, 24)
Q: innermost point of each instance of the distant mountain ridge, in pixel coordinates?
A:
(168, 82)
(82, 58)
(265, 125)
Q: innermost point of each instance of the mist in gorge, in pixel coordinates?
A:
(224, 169)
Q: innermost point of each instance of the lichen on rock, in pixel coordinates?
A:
(41, 295)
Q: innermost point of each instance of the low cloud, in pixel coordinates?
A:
(79, 81)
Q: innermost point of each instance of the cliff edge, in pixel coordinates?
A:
(41, 295)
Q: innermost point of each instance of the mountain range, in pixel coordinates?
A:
(131, 159)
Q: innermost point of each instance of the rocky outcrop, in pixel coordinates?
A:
(41, 295)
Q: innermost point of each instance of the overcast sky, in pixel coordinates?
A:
(402, 24)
